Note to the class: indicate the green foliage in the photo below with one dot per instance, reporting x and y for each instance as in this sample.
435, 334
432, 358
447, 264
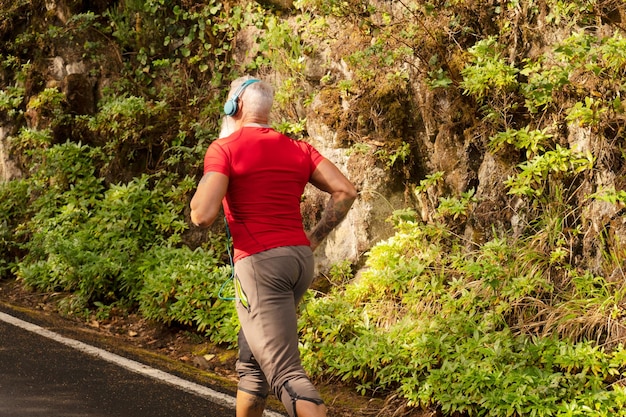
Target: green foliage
611, 196
438, 328
439, 79
587, 113
536, 174
492, 81
570, 12
577, 62
391, 157
12, 95
326, 323
14, 206
280, 45
341, 273
127, 124
162, 32
88, 213
456, 207
10, 100
540, 176
29, 141
431, 180
532, 141
49, 99
488, 73
293, 129
182, 286
443, 208
83, 236
543, 82
335, 7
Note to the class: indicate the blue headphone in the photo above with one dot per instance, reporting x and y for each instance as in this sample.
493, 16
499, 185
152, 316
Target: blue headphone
230, 108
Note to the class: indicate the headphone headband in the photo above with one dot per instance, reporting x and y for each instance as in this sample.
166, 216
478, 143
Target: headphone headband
231, 107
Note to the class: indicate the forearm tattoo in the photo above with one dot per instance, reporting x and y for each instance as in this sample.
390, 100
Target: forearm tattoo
333, 214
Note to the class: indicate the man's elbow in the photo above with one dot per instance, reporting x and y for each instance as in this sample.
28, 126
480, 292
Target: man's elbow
202, 219
344, 198
350, 194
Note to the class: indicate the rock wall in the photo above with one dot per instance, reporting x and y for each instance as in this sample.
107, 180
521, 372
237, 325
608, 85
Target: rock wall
8, 168
366, 223
380, 192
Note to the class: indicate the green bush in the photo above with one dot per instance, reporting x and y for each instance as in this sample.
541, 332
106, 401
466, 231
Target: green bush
14, 206
448, 330
83, 236
183, 286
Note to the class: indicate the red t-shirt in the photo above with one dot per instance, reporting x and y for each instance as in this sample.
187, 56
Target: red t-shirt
267, 174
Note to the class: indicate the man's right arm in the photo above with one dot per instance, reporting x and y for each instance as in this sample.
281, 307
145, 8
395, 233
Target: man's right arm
327, 177
207, 200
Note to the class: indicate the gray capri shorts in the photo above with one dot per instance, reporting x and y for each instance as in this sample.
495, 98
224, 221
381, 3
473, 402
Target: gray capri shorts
269, 286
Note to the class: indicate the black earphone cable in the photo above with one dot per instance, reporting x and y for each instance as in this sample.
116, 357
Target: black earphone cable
232, 265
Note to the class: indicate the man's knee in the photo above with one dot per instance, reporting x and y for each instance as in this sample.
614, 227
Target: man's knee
251, 377
299, 389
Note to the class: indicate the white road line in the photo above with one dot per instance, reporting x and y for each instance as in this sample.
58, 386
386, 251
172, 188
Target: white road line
131, 365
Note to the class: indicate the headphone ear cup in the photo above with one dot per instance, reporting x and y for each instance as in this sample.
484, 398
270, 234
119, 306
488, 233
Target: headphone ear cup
230, 108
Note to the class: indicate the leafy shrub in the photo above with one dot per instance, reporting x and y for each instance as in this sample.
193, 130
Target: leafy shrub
14, 206
83, 236
446, 329
488, 73
10, 100
183, 286
326, 323
537, 174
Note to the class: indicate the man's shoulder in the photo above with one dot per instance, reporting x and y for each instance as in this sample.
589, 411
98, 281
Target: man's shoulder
226, 141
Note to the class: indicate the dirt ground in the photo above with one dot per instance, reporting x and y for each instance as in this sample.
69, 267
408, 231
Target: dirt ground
179, 351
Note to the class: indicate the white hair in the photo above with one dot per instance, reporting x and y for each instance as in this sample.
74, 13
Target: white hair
259, 95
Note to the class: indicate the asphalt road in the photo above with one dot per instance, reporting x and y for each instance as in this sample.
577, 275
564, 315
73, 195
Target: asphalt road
43, 374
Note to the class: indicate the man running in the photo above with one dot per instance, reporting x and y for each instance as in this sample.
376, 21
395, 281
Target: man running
259, 175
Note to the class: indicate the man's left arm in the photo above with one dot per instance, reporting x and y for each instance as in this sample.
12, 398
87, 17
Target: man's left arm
327, 177
207, 200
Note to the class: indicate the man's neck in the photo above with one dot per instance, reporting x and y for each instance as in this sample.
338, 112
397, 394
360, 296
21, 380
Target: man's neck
256, 125
253, 122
